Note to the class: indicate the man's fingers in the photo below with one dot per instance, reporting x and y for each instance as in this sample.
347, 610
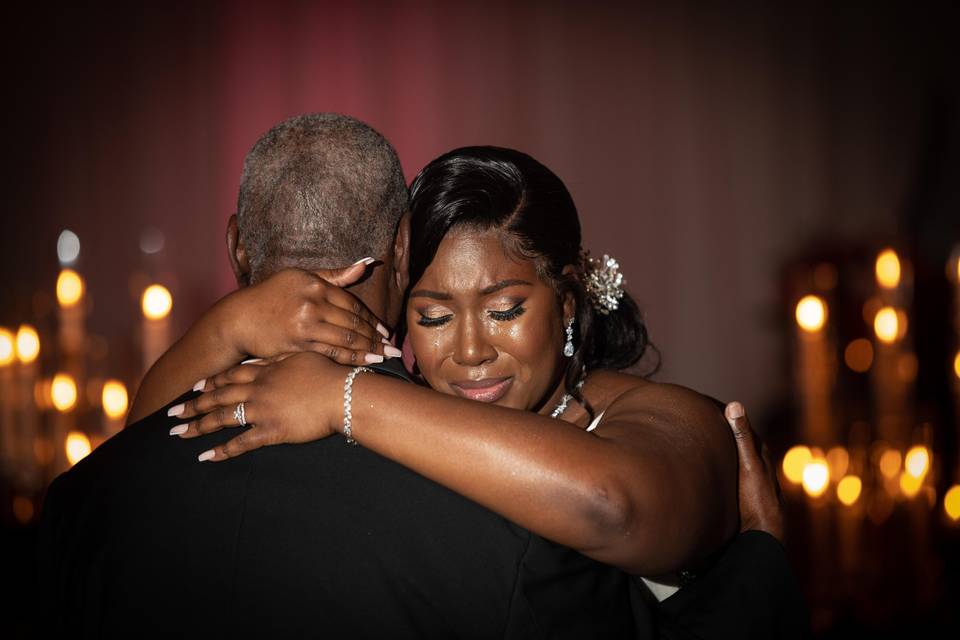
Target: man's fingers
746, 446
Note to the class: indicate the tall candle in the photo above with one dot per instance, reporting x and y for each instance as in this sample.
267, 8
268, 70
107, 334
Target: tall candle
156, 304
815, 370
28, 418
7, 400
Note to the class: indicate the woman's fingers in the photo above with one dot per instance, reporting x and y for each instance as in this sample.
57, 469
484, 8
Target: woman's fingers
348, 303
341, 355
251, 439
244, 373
350, 340
215, 401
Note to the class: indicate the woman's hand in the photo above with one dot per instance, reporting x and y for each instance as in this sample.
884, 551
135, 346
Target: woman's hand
296, 310
292, 398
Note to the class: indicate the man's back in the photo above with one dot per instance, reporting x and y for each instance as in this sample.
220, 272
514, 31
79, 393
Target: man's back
320, 539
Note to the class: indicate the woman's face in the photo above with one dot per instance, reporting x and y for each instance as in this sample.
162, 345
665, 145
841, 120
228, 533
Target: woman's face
483, 325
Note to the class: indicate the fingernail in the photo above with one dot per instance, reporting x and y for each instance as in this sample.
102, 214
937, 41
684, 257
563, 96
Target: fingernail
383, 330
176, 409
734, 410
386, 341
178, 430
366, 261
200, 385
250, 361
392, 352
206, 455
372, 358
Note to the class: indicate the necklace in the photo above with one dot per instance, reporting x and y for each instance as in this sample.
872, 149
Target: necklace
564, 401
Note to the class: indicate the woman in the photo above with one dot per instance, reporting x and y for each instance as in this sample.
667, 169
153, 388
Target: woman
521, 342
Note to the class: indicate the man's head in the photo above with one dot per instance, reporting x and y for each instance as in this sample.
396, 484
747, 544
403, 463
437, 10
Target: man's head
320, 191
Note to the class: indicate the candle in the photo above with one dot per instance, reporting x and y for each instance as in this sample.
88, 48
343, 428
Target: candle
815, 370
114, 401
156, 303
28, 352
8, 356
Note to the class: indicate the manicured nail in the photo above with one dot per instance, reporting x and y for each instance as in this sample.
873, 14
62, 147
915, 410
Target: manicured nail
200, 385
251, 361
175, 410
383, 330
366, 261
392, 352
178, 430
372, 358
734, 410
206, 455
386, 341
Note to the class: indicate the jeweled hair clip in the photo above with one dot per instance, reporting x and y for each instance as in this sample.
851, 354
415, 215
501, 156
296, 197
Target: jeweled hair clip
603, 281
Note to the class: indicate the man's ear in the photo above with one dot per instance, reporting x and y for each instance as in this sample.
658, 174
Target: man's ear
401, 253
237, 254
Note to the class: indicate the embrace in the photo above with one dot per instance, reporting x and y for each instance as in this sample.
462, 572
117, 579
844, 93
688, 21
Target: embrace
462, 452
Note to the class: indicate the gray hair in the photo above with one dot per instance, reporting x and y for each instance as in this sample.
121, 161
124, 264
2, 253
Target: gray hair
319, 190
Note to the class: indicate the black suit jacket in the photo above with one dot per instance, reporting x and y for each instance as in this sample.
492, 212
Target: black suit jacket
316, 540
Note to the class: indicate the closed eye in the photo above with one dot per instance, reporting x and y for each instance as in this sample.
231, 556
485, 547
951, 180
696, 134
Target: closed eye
427, 321
510, 314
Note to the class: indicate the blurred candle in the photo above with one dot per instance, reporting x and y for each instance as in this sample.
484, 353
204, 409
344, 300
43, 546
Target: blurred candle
28, 421
70, 292
114, 401
8, 356
156, 303
814, 370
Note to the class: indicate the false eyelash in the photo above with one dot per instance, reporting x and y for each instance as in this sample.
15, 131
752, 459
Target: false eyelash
424, 321
510, 314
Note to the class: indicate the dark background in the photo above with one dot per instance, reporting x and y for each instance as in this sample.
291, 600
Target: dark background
709, 149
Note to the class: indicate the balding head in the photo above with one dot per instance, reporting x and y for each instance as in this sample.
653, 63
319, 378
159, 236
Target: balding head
318, 191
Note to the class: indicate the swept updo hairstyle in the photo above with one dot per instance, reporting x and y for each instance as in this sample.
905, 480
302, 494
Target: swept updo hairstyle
487, 188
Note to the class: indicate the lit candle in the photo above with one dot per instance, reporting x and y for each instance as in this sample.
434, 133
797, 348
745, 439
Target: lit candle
114, 401
815, 370
156, 303
8, 356
28, 422
894, 363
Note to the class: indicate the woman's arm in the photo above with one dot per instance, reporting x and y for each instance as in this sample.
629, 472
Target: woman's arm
293, 310
653, 489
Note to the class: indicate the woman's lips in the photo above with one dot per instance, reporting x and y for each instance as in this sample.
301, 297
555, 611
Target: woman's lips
485, 390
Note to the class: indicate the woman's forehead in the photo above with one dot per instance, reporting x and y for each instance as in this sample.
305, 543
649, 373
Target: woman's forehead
469, 260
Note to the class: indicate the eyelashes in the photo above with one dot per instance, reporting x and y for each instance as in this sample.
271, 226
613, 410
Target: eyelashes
501, 316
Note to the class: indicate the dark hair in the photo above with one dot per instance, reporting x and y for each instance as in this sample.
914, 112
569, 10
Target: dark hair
319, 190
494, 188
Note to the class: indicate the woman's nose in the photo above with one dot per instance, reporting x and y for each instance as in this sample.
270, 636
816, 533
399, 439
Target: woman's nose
472, 347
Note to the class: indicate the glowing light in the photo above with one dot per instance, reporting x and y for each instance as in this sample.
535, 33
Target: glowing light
816, 477
794, 461
77, 447
69, 288
910, 485
917, 461
23, 509
839, 461
907, 367
848, 490
114, 399
956, 364
951, 502
28, 344
63, 392
885, 325
859, 355
890, 463
887, 269
156, 302
68, 247
7, 351
811, 313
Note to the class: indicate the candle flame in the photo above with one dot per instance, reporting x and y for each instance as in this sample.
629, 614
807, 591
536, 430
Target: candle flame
7, 351
886, 325
63, 392
77, 447
951, 502
811, 313
156, 302
69, 288
816, 477
888, 269
794, 461
114, 399
848, 490
890, 463
28, 344
909, 484
917, 461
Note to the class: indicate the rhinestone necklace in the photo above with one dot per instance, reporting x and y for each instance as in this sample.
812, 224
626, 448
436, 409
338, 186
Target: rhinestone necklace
564, 401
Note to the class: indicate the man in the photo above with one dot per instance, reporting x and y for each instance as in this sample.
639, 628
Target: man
316, 539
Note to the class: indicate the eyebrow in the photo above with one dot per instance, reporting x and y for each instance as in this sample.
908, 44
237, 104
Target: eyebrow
437, 295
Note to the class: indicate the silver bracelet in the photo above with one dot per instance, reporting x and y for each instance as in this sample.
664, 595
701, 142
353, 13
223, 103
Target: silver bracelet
348, 401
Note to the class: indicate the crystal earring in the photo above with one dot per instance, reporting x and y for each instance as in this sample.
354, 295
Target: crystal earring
568, 347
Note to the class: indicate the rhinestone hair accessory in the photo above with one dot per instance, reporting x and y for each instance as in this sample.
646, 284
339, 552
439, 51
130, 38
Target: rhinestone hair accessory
604, 282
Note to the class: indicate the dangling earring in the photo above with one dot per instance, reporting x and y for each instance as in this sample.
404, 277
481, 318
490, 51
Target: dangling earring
568, 347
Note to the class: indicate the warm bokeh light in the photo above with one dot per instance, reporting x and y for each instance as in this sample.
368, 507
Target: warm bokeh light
63, 392
887, 269
68, 247
848, 490
156, 302
885, 325
890, 463
816, 477
956, 365
794, 461
859, 355
28, 344
811, 313
7, 352
114, 399
951, 502
23, 509
839, 461
69, 288
910, 485
77, 447
917, 461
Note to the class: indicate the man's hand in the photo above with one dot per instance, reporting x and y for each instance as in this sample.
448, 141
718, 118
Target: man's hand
759, 492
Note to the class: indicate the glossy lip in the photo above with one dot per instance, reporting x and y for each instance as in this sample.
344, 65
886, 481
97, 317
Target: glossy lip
484, 390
